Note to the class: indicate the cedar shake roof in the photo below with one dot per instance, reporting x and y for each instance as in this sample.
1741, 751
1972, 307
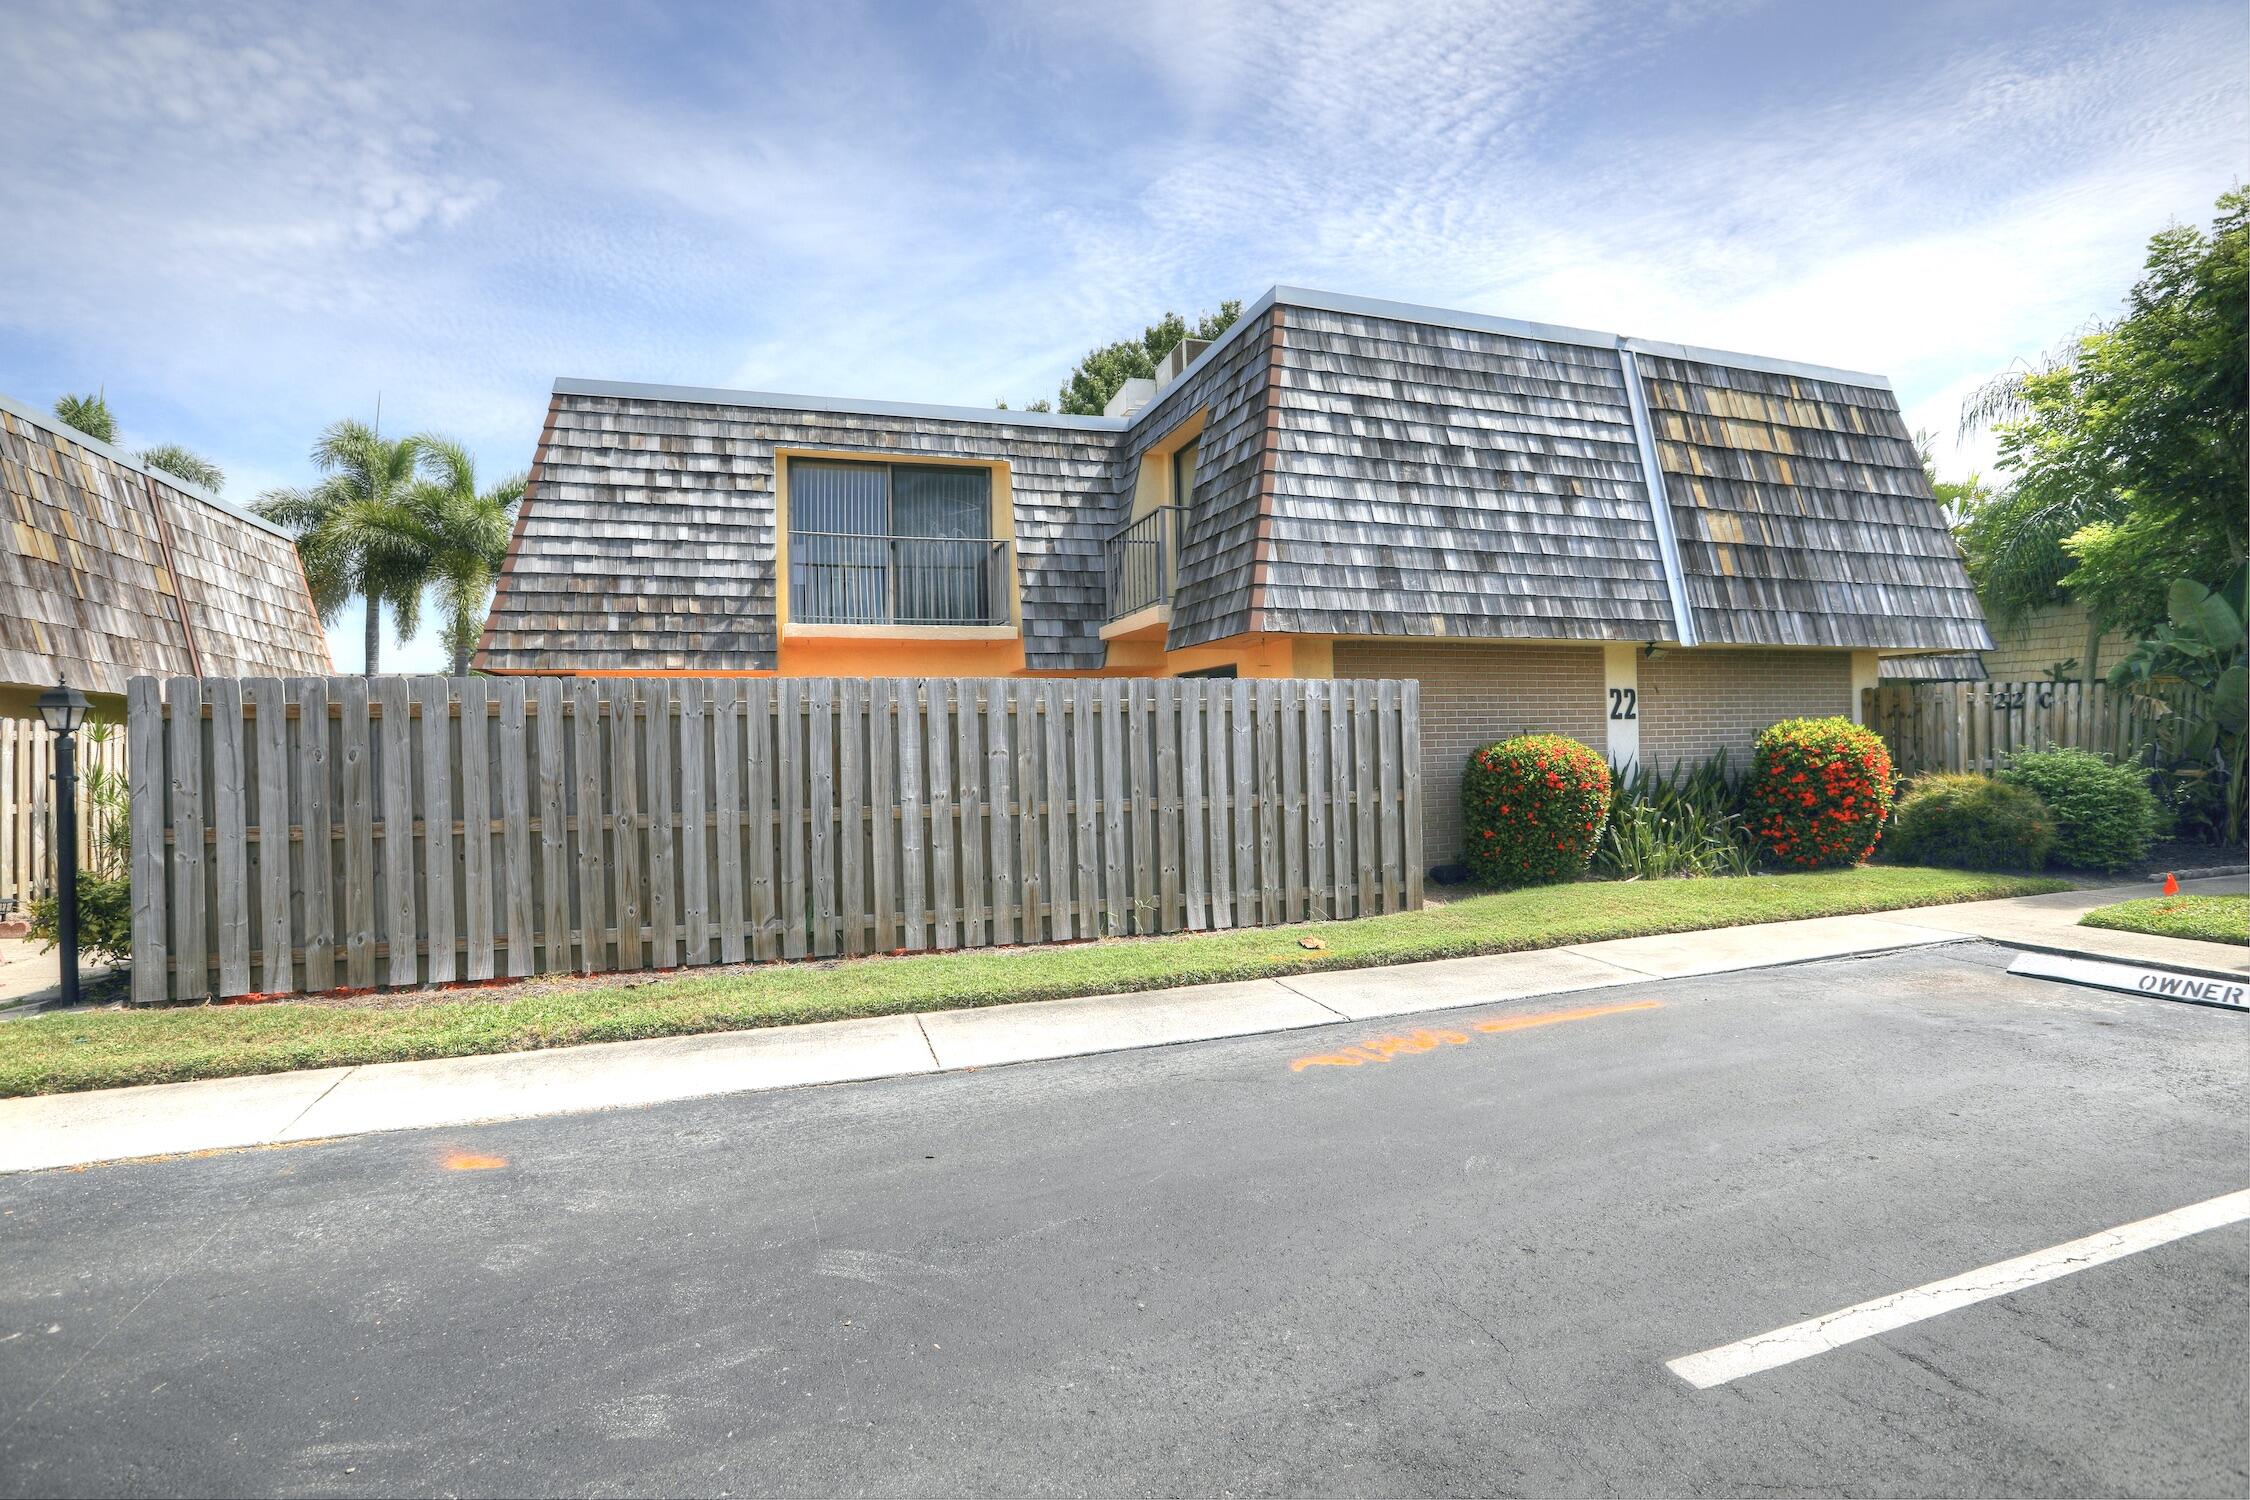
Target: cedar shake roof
1366, 469
1448, 482
1803, 514
649, 543
110, 569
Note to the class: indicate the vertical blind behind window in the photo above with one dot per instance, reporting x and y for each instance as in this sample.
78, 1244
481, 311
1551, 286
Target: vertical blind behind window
882, 544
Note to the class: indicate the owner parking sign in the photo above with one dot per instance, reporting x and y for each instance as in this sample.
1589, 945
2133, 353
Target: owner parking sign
2163, 984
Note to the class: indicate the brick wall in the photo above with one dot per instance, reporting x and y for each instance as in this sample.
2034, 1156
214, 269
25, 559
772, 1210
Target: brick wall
2023, 651
1691, 703
1696, 702
1475, 692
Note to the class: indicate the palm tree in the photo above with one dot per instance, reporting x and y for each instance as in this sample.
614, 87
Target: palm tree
462, 534
89, 414
187, 464
354, 533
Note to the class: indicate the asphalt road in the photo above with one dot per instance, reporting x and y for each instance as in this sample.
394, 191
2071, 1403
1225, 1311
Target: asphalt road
1196, 1270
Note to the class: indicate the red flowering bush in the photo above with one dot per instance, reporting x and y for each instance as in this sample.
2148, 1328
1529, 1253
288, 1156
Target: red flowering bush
1533, 808
1819, 792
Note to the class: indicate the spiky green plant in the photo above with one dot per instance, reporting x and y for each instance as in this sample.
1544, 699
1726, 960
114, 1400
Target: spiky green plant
187, 464
89, 414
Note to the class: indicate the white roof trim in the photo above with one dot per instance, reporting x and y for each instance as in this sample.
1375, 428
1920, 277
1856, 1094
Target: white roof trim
785, 401
1285, 296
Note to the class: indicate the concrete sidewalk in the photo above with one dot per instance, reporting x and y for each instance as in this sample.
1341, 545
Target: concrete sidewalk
2050, 925
64, 1130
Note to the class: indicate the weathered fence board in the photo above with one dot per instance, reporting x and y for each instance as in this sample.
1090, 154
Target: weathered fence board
434, 706
317, 880
593, 877
300, 836
1977, 726
144, 739
554, 828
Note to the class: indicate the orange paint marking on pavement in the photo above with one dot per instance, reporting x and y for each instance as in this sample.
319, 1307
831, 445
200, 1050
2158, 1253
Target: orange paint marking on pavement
1520, 1023
470, 1161
1383, 1049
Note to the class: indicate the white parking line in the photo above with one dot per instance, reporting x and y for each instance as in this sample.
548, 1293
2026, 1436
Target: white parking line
1818, 1335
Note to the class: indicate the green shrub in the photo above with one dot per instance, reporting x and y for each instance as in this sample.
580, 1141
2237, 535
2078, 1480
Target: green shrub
1819, 791
1970, 823
2104, 814
1687, 821
105, 917
1532, 809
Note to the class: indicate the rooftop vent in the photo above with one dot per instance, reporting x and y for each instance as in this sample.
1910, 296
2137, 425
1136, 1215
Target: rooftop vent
1172, 366
1135, 394
1130, 398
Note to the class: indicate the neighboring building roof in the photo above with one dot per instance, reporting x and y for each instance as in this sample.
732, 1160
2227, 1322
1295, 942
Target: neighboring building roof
111, 569
1368, 469
1940, 666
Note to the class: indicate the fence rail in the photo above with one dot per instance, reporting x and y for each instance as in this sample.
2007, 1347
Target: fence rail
1976, 726
323, 833
27, 806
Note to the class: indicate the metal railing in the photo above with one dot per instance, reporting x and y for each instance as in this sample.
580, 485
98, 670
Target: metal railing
836, 578
1142, 556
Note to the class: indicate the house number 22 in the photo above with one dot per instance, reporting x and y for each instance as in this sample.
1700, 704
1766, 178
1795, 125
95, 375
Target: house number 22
1624, 703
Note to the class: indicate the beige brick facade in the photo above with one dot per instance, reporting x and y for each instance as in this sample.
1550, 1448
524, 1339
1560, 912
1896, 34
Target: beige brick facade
2024, 650
1694, 703
1475, 692
1691, 703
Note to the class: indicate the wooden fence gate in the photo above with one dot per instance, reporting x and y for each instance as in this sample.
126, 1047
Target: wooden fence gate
27, 811
1976, 726
325, 833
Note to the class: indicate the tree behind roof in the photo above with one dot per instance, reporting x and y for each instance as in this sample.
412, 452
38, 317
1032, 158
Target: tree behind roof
90, 415
2127, 446
187, 464
1100, 375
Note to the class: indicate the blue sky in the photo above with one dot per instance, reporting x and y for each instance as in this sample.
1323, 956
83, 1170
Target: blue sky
246, 220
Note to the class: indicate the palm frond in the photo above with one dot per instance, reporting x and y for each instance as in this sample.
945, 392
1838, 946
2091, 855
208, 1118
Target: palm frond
2004, 398
444, 461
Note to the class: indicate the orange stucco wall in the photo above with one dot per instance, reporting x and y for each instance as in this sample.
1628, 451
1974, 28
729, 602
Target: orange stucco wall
875, 656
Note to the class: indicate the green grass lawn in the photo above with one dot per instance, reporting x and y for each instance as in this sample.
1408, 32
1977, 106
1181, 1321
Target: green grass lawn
110, 1048
2214, 919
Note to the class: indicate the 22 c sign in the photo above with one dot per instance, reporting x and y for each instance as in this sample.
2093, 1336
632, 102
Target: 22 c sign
1624, 703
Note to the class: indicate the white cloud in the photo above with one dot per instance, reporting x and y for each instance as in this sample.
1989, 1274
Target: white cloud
250, 220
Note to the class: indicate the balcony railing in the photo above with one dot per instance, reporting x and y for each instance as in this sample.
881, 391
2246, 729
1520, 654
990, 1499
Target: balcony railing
1143, 554
840, 579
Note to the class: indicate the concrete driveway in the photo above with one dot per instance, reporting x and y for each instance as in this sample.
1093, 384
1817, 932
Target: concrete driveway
1408, 1257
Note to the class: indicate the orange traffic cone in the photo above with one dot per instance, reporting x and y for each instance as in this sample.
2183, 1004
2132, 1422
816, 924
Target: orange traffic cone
2171, 884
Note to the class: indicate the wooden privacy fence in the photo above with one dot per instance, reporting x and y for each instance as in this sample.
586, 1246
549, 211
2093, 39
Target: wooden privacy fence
1976, 726
323, 833
27, 806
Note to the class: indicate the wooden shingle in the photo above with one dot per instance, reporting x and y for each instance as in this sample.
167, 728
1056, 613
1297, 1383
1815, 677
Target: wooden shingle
1364, 469
110, 570
1803, 515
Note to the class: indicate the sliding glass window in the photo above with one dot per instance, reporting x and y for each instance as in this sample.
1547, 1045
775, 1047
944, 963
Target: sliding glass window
893, 544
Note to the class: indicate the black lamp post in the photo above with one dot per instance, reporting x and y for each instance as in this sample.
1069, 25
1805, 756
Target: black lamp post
64, 709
